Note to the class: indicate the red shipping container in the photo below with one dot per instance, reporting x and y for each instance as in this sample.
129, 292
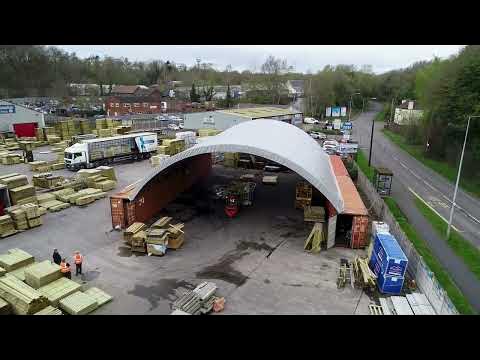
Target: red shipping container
25, 129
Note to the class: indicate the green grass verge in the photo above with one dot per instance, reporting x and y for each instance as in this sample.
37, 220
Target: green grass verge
442, 276
464, 249
472, 184
362, 162
383, 114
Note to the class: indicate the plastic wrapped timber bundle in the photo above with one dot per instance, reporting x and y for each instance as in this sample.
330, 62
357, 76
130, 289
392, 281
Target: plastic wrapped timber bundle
58, 166
41, 274
176, 242
34, 222
86, 173
108, 172
5, 308
21, 192
78, 304
49, 310
15, 259
28, 200
132, 230
99, 295
31, 210
6, 176
157, 160
43, 198
162, 223
138, 239
23, 299
105, 185
15, 181
55, 205
7, 226
59, 289
61, 195
157, 236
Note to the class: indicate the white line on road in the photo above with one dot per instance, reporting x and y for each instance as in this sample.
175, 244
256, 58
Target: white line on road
431, 208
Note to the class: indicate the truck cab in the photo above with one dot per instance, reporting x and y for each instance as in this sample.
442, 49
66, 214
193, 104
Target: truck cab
76, 156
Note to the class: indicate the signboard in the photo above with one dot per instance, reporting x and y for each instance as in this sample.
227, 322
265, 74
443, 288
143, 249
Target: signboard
337, 123
328, 112
347, 126
336, 111
7, 109
209, 120
347, 148
343, 111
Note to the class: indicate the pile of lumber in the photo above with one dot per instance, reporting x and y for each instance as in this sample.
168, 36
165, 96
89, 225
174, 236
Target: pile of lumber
14, 181
5, 308
47, 180
132, 230
7, 226
25, 216
108, 172
197, 301
11, 159
314, 241
49, 310
100, 296
20, 272
208, 132
15, 259
22, 192
171, 146
23, 299
157, 160
78, 304
314, 213
101, 182
303, 195
139, 242
364, 276
19, 189
59, 289
161, 223
34, 165
48, 202
42, 274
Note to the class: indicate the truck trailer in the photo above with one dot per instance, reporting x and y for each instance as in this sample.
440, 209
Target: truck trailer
104, 151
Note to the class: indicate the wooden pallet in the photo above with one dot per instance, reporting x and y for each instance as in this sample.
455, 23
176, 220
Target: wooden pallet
375, 310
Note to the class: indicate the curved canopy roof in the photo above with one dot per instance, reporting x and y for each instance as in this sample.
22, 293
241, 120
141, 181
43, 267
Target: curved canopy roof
271, 139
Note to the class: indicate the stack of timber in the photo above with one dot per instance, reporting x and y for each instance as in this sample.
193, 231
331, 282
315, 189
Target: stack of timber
315, 239
63, 195
14, 181
78, 304
49, 310
270, 180
139, 242
197, 301
41, 274
19, 218
108, 172
100, 296
22, 192
7, 226
47, 180
231, 159
156, 241
208, 132
87, 196
15, 259
345, 274
48, 202
23, 299
5, 308
12, 159
132, 230
303, 195
101, 182
2, 271
161, 237
20, 272
364, 276
35, 166
174, 146
25, 216
85, 127
161, 223
314, 214
176, 236
157, 160
59, 289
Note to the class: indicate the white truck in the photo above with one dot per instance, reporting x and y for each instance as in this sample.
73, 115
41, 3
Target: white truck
104, 151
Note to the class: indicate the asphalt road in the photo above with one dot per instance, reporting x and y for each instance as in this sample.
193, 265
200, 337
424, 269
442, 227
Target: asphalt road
412, 179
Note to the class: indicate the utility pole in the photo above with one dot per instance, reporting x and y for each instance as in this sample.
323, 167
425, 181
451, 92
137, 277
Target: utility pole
391, 111
458, 177
371, 138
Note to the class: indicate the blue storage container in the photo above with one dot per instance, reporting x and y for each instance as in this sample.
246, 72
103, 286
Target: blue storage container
390, 284
388, 258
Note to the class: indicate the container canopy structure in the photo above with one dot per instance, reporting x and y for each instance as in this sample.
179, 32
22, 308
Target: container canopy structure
277, 141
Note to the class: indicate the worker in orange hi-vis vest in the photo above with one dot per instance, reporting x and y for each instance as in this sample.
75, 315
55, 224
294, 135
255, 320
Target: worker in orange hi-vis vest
65, 269
78, 259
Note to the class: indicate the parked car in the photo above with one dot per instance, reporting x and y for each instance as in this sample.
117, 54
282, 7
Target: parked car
317, 135
181, 126
173, 127
309, 120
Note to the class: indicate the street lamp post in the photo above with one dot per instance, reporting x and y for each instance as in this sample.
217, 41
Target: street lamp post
371, 137
351, 102
458, 177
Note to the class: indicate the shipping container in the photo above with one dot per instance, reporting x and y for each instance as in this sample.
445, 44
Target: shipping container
391, 285
359, 232
389, 255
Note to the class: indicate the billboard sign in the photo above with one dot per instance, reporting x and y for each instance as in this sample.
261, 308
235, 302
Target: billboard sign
337, 123
347, 125
336, 111
328, 112
347, 148
343, 111
7, 109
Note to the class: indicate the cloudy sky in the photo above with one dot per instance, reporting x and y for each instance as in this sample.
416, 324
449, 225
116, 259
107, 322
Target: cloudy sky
302, 57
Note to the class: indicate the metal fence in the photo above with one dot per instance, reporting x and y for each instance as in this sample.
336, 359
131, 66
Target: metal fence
417, 268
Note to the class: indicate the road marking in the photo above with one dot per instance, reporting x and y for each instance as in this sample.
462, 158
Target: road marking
431, 208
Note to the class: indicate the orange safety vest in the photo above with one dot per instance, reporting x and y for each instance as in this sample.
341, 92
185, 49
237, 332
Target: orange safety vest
64, 268
78, 259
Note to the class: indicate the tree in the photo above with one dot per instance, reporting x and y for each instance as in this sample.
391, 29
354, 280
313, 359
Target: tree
194, 97
273, 70
228, 99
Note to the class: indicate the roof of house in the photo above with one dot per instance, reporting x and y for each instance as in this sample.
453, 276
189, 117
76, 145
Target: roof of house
125, 89
353, 204
260, 112
132, 98
277, 141
405, 105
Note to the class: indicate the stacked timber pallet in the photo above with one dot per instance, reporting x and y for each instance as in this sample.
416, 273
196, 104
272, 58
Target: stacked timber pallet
101, 182
303, 195
157, 160
48, 202
314, 213
25, 216
7, 226
49, 310
47, 180
198, 301
208, 132
11, 159
23, 299
42, 273
364, 276
231, 159
59, 289
174, 146
19, 190
132, 230
15, 259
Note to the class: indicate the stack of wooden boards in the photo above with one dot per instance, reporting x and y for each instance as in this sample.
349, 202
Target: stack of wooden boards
197, 301
154, 240
27, 288
23, 217
208, 132
364, 276
171, 146
19, 190
314, 214
231, 159
157, 160
7, 158
315, 239
102, 178
412, 304
303, 195
47, 180
107, 128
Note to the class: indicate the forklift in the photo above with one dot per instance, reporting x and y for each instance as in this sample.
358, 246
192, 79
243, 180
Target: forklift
236, 195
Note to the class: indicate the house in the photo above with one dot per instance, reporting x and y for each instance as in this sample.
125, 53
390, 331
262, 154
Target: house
126, 90
295, 88
408, 112
19, 119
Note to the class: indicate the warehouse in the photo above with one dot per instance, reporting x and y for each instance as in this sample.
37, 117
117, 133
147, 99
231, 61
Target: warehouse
19, 119
279, 142
224, 119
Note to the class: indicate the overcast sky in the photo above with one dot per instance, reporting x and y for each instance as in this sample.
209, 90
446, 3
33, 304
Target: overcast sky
302, 57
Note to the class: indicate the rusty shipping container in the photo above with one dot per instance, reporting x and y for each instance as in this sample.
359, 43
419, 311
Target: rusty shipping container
359, 232
159, 192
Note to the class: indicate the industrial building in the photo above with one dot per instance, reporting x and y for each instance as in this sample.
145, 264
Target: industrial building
19, 119
282, 143
224, 119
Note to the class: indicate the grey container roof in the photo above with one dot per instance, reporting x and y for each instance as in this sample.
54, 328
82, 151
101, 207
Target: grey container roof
271, 139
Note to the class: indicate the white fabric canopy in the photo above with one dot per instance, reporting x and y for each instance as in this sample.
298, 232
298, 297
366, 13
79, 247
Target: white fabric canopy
277, 141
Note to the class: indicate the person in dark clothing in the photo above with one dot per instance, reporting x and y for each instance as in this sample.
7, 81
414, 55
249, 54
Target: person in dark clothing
57, 259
